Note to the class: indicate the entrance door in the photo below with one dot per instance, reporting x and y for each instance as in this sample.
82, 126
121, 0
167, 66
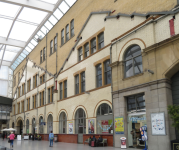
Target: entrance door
175, 95
80, 124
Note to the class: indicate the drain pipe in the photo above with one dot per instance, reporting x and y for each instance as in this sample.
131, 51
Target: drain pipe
111, 94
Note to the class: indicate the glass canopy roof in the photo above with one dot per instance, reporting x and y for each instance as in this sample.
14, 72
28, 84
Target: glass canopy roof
23, 23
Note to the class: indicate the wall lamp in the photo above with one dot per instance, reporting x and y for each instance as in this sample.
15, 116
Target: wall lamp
150, 71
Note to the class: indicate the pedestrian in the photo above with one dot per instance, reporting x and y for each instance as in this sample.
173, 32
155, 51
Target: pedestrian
100, 139
51, 137
3, 136
11, 138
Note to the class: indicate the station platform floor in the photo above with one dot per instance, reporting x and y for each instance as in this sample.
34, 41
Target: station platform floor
44, 145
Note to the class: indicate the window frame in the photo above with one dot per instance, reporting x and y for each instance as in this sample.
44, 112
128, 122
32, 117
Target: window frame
41, 56
80, 55
86, 50
51, 47
62, 37
72, 28
106, 72
97, 75
44, 51
92, 46
99, 42
83, 81
77, 86
55, 44
67, 32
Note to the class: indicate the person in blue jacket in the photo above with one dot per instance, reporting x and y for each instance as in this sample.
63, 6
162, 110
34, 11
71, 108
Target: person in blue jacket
51, 137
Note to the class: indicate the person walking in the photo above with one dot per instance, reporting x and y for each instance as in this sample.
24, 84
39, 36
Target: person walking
11, 138
51, 137
3, 136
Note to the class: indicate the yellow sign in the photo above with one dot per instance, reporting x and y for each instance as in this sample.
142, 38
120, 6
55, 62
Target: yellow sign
119, 125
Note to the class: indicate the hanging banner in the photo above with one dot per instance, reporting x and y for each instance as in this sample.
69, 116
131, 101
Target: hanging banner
119, 125
91, 126
158, 123
70, 127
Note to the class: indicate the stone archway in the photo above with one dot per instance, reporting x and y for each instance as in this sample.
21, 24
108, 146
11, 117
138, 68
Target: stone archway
19, 127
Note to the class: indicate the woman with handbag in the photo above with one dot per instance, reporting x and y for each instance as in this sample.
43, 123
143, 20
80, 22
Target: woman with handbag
11, 138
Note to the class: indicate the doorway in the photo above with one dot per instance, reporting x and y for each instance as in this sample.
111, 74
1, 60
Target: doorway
33, 125
20, 127
80, 124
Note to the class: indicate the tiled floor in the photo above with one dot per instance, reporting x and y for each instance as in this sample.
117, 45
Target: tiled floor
44, 145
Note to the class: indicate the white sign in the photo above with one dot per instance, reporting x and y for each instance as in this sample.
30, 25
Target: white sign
158, 123
19, 137
123, 142
70, 127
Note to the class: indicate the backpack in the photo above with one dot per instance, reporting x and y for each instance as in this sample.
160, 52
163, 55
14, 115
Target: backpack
51, 136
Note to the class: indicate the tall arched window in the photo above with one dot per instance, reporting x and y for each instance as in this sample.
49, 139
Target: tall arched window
27, 126
50, 124
40, 125
104, 119
33, 125
63, 123
133, 61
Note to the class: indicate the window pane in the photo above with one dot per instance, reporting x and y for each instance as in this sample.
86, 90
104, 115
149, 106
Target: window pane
63, 7
129, 68
57, 14
104, 109
86, 50
48, 25
93, 45
131, 105
53, 20
132, 52
138, 65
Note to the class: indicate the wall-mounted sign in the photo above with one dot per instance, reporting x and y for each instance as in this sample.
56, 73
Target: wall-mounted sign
70, 127
119, 125
91, 126
158, 123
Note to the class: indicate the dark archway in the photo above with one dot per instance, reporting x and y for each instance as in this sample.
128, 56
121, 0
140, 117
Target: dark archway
20, 127
175, 93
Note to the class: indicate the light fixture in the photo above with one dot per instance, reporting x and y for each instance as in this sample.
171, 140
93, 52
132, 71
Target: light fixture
150, 71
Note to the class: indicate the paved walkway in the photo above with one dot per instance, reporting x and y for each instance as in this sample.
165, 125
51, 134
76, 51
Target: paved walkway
44, 145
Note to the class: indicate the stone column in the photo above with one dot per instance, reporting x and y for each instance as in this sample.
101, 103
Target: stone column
55, 121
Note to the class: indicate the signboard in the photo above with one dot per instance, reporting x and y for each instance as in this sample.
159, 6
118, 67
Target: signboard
27, 131
158, 123
123, 142
91, 126
104, 124
119, 125
70, 127
19, 137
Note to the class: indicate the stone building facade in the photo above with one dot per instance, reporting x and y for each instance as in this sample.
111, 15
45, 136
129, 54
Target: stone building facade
75, 93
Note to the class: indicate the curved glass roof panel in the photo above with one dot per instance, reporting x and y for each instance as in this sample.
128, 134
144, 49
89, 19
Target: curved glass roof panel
70, 2
58, 14
9, 56
5, 26
32, 15
8, 9
53, 20
63, 7
50, 1
22, 31
1, 53
13, 48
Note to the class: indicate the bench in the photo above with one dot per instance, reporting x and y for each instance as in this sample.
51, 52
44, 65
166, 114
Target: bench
87, 141
104, 142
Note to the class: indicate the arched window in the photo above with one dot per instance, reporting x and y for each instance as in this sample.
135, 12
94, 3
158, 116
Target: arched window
40, 124
104, 119
63, 123
50, 124
33, 125
133, 61
27, 126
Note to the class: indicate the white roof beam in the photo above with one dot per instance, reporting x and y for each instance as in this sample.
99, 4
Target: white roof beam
14, 22
19, 20
3, 56
34, 4
12, 42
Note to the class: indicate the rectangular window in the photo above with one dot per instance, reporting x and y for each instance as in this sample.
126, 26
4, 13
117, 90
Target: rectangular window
14, 109
44, 54
40, 99
101, 40
86, 50
18, 77
23, 89
65, 89
83, 82
98, 75
44, 78
18, 107
72, 28
52, 88
28, 85
67, 32
80, 54
35, 81
51, 47
41, 56
28, 104
61, 90
93, 45
41, 79
107, 72
19, 91
43, 98
62, 37
14, 81
33, 102
22, 109
77, 84
55, 44
49, 95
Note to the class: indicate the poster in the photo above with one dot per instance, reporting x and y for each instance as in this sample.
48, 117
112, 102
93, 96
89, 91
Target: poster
119, 125
70, 127
27, 131
104, 124
158, 123
91, 126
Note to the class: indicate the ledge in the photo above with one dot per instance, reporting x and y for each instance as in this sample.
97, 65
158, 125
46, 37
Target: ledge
128, 78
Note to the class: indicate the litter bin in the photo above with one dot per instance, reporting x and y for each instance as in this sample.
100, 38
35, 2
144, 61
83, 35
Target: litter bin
55, 138
123, 142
